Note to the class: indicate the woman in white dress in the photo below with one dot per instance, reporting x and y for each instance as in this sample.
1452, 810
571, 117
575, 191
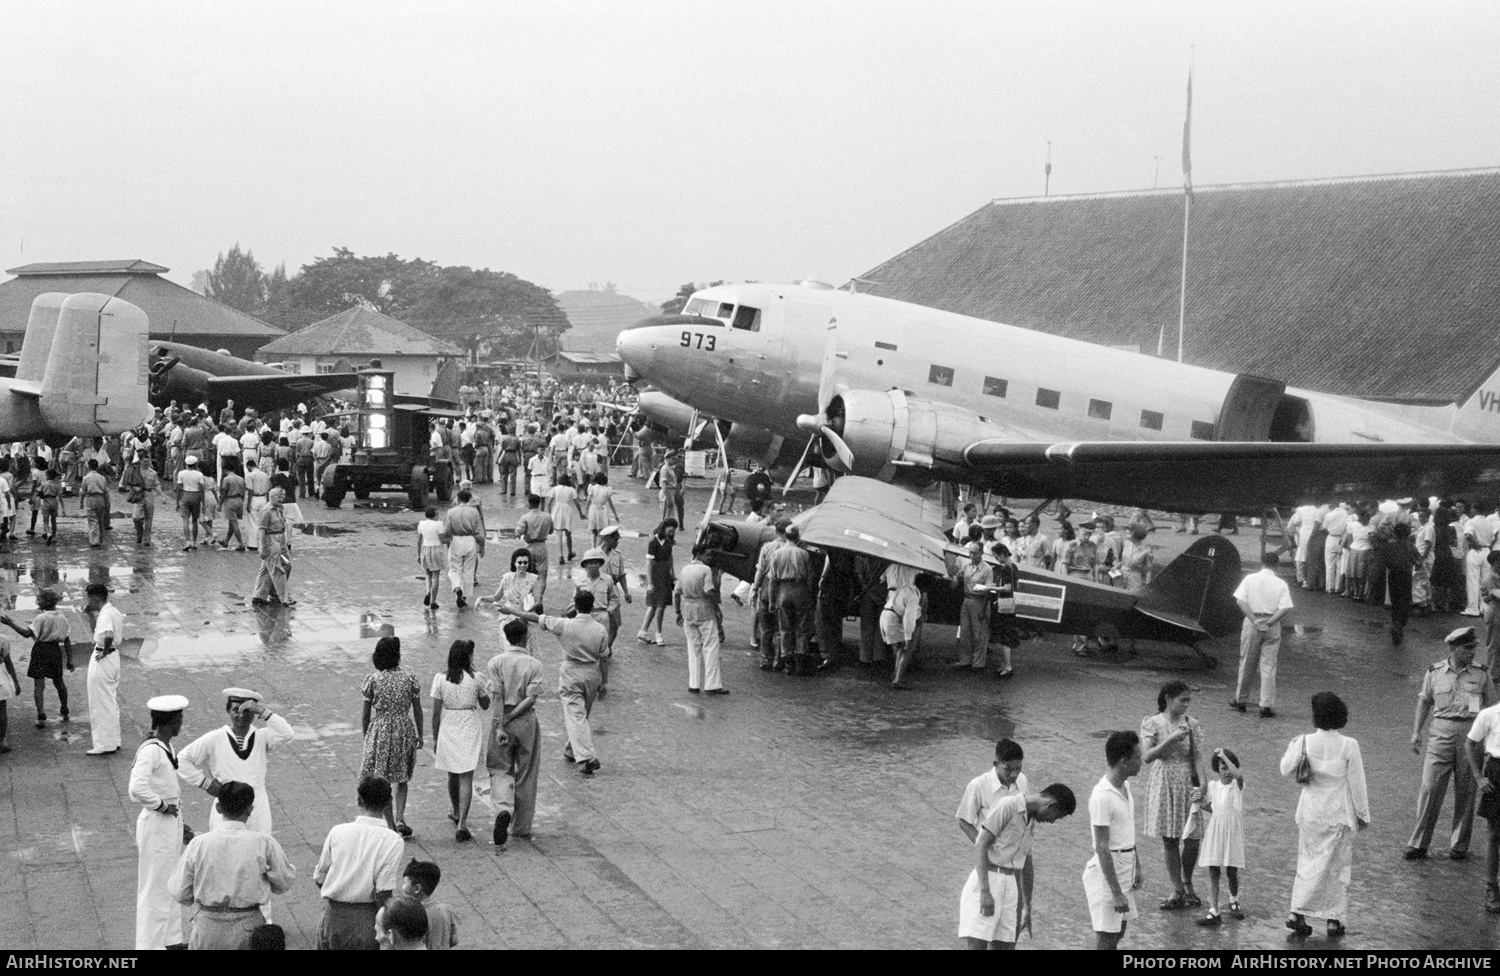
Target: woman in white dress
900, 617
564, 507
518, 589
601, 501
1334, 806
457, 732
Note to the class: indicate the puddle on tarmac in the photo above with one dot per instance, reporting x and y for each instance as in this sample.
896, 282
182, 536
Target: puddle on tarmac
323, 531
275, 636
1301, 629
692, 711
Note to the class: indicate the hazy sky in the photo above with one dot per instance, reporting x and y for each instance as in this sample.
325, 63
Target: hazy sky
652, 143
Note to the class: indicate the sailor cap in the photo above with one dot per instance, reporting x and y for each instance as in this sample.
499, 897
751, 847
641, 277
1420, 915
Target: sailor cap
167, 703
242, 694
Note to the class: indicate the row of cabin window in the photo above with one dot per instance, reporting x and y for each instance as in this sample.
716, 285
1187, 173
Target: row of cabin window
1052, 399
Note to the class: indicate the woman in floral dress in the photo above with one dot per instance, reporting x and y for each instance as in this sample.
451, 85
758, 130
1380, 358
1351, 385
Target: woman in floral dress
518, 589
392, 726
1169, 743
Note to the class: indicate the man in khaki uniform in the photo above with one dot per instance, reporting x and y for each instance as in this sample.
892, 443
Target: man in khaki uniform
1454, 691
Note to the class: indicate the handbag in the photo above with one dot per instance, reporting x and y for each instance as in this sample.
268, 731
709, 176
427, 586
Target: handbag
1304, 771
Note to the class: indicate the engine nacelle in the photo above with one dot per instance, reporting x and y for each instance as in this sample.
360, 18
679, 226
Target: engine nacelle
758, 444
890, 431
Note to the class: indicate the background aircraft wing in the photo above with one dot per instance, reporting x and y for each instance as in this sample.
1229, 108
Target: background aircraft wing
270, 392
869, 517
1229, 476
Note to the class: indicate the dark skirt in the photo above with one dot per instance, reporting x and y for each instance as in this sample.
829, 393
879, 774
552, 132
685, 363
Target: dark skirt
46, 660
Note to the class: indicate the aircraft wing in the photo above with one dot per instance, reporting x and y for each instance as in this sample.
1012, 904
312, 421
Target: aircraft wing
1229, 476
270, 392
872, 518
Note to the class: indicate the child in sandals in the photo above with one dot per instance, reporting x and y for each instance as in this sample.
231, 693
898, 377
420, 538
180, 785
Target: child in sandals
1224, 838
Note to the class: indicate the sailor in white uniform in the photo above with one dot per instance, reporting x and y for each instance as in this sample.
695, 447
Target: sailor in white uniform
158, 829
237, 753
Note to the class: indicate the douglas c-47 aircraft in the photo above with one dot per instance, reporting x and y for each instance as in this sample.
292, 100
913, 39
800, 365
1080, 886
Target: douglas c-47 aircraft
909, 394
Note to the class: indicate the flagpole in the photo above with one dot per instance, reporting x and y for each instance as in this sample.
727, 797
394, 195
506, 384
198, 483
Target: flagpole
1187, 213
1187, 205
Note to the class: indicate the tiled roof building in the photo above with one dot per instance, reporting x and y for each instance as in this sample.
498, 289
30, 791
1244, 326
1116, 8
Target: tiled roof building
1380, 286
353, 337
176, 313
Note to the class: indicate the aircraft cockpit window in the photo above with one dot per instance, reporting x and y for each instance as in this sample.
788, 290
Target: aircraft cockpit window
700, 306
726, 311
940, 375
1151, 420
1048, 398
747, 318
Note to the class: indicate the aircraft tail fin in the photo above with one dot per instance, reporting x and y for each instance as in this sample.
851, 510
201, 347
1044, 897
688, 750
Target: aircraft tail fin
95, 383
1198, 585
41, 327
1478, 417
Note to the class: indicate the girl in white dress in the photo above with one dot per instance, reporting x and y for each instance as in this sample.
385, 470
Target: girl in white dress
1224, 837
457, 731
601, 501
564, 507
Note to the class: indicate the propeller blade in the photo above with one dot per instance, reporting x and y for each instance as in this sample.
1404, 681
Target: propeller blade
842, 461
801, 462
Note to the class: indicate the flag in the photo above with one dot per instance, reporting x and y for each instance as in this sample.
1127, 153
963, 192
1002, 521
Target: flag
1187, 140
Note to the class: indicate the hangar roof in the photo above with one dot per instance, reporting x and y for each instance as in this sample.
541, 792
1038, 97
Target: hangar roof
175, 312
1382, 286
358, 331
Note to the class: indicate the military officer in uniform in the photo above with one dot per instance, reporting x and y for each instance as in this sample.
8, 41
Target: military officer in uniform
791, 580
1454, 690
762, 588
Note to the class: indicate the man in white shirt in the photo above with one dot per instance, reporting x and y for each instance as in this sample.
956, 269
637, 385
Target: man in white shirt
358, 870
1333, 547
1112, 818
104, 671
961, 527
1264, 598
1479, 536
237, 752
1004, 778
1300, 527
1034, 546
229, 873
249, 444
1484, 760
227, 450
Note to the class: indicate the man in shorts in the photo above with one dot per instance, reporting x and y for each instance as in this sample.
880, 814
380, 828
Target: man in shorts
1112, 817
994, 914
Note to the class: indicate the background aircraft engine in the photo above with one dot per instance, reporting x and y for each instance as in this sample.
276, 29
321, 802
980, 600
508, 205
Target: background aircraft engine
891, 434
747, 443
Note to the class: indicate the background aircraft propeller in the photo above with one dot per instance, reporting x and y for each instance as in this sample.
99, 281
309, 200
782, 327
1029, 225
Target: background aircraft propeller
841, 459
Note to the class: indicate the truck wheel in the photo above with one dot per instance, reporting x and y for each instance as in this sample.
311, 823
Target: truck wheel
333, 497
416, 489
361, 491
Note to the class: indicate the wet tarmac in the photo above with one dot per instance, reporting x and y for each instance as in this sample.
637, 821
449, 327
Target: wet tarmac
796, 812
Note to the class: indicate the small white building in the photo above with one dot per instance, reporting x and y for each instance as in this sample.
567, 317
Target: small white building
355, 336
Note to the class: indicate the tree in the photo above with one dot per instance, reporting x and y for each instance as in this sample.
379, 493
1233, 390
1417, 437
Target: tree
330, 285
484, 311
673, 305
237, 281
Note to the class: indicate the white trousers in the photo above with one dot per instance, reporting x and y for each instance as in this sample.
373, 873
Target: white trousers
104, 702
1474, 561
703, 654
1332, 562
257, 504
463, 563
577, 687
158, 916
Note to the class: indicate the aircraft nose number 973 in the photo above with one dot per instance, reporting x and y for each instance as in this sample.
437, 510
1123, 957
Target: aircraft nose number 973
697, 340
